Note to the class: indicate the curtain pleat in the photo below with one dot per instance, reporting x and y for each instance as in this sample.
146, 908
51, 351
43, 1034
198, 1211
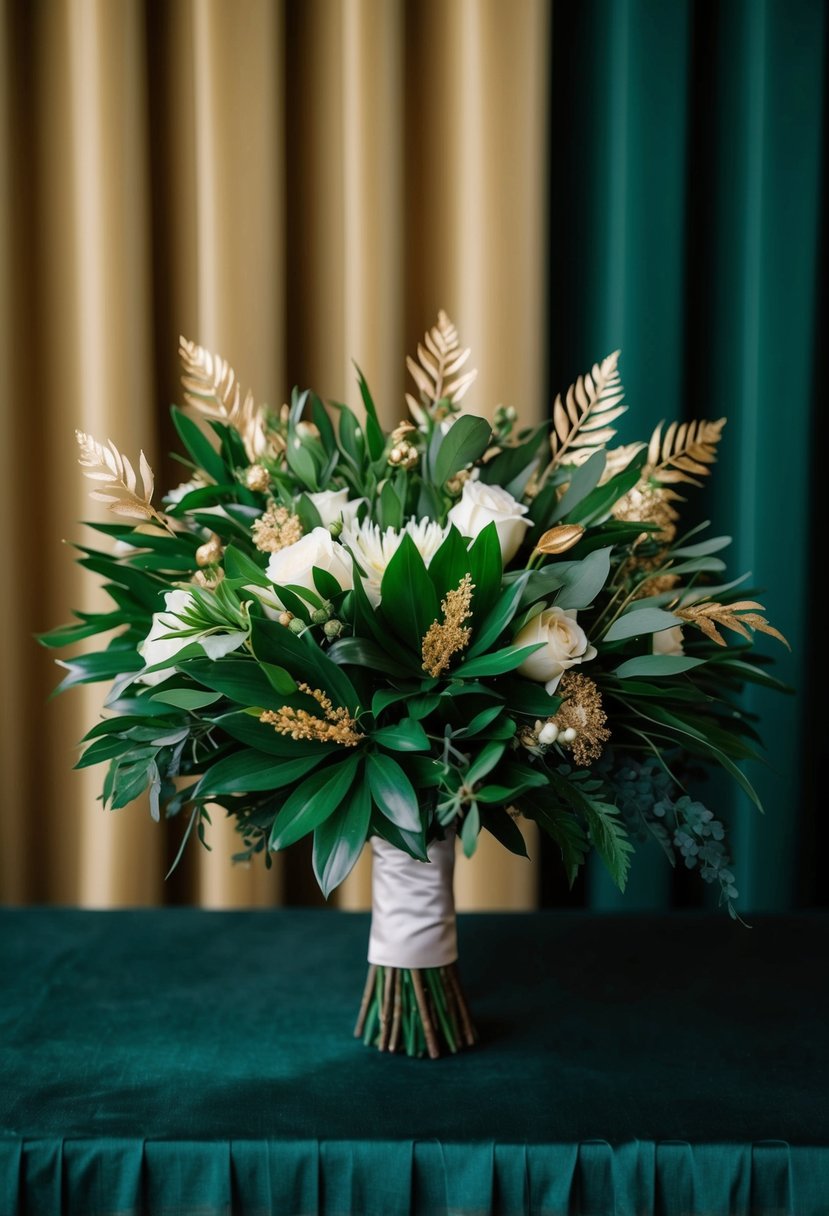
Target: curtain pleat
300, 183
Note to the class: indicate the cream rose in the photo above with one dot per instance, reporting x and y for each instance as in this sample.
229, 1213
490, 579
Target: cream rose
158, 646
480, 505
565, 645
294, 565
334, 505
668, 641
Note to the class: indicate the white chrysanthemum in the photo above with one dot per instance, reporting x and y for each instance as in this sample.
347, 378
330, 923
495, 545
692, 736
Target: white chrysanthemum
373, 548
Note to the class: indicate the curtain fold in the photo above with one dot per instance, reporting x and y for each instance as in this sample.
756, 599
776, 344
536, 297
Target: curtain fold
300, 183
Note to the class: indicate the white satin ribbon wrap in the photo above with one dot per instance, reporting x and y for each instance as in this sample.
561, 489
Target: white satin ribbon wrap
413, 906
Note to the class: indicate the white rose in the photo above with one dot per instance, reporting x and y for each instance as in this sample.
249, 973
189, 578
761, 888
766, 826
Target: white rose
480, 505
373, 549
293, 566
334, 505
668, 641
157, 646
565, 645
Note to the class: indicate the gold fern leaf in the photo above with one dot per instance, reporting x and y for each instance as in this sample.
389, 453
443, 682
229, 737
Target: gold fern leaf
740, 617
437, 369
125, 493
581, 421
684, 452
211, 386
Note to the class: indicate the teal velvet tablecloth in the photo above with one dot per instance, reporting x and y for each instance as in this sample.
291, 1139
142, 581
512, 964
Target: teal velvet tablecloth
185, 1062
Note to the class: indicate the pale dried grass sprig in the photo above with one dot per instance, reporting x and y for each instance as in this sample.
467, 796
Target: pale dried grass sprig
335, 725
443, 640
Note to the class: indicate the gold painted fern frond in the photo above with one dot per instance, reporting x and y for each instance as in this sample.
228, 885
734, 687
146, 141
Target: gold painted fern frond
684, 452
211, 386
582, 420
740, 617
437, 369
125, 493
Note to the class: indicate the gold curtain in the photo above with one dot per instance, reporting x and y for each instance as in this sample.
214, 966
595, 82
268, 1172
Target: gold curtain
294, 184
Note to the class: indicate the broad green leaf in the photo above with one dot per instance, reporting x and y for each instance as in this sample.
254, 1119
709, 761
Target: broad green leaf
465, 441
201, 450
339, 839
187, 698
655, 665
263, 738
496, 663
247, 771
374, 432
704, 549
483, 763
640, 621
312, 802
413, 843
407, 735
279, 679
499, 617
450, 563
505, 830
243, 680
585, 580
583, 481
409, 601
486, 568
471, 829
238, 565
303, 658
362, 652
393, 792
513, 464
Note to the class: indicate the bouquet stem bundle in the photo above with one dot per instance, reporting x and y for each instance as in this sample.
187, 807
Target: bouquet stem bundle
419, 1011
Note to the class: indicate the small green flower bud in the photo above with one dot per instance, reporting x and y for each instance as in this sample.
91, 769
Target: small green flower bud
296, 625
336, 528
319, 616
332, 629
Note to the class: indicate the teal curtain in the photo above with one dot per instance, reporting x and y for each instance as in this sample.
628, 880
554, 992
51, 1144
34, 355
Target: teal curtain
688, 193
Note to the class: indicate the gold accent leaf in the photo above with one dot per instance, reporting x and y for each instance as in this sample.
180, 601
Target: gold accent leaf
437, 369
740, 617
211, 386
125, 493
581, 420
684, 452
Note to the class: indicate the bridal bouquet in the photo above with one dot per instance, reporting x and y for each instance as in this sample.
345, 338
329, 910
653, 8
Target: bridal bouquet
411, 638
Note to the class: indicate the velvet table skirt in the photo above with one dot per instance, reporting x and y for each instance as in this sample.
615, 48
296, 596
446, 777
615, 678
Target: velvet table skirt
192, 1063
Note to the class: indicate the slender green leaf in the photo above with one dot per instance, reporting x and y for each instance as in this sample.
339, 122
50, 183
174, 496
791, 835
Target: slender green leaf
465, 441
312, 802
393, 792
339, 839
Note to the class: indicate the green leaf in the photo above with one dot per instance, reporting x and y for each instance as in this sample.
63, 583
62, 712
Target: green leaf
238, 565
362, 652
409, 600
527, 697
471, 829
339, 839
480, 722
407, 735
483, 763
187, 698
597, 505
585, 580
584, 480
465, 441
654, 665
263, 738
499, 617
199, 447
242, 680
605, 827
497, 662
391, 508
640, 621
486, 568
312, 802
303, 658
301, 461
413, 843
450, 563
704, 549
374, 432
505, 830
393, 792
513, 466
247, 771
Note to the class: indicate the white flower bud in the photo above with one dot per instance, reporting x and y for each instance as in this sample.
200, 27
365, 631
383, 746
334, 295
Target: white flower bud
548, 734
568, 735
